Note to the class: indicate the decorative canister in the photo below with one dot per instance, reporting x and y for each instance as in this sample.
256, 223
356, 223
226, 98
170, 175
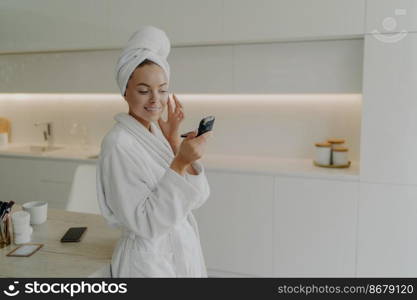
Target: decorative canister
323, 152
340, 156
335, 142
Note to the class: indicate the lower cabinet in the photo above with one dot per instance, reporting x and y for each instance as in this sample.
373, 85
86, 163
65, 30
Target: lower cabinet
18, 179
315, 225
254, 225
26, 179
235, 224
387, 239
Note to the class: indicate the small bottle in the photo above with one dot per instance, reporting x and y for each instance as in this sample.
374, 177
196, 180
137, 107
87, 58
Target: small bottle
340, 156
323, 153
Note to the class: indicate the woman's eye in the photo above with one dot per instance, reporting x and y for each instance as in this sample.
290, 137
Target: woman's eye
163, 91
143, 92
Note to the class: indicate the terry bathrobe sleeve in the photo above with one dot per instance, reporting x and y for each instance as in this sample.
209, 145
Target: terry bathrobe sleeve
199, 181
148, 213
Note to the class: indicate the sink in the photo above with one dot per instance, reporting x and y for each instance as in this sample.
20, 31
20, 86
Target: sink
34, 149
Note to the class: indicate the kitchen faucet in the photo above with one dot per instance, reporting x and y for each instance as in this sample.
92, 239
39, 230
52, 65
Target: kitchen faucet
48, 133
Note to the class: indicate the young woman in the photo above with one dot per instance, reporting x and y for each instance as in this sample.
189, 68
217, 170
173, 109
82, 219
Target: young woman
148, 180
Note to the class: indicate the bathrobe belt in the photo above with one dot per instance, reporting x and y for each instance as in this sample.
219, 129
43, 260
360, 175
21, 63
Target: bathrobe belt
177, 248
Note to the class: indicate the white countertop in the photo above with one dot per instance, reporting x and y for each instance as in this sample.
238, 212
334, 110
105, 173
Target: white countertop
279, 167
67, 152
233, 163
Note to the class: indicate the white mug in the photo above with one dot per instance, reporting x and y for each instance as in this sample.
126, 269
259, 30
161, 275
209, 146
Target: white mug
38, 211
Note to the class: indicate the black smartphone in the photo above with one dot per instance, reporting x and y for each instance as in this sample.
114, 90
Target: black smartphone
73, 234
206, 124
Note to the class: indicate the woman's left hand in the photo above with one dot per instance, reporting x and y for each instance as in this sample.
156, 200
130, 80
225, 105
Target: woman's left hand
170, 127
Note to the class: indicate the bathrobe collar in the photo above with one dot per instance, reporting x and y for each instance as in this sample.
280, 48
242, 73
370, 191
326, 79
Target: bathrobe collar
155, 142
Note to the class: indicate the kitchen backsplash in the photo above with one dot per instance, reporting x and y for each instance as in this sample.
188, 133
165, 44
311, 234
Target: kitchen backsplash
282, 125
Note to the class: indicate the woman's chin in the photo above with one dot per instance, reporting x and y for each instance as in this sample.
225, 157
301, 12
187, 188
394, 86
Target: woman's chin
154, 118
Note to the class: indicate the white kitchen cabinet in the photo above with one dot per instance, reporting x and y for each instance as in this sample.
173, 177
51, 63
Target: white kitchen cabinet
391, 16
387, 236
52, 25
235, 223
272, 20
18, 179
185, 21
26, 179
103, 24
389, 109
49, 25
55, 193
55, 180
314, 227
305, 67
201, 69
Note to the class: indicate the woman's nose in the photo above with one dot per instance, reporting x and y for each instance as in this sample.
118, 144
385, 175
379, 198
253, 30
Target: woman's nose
153, 97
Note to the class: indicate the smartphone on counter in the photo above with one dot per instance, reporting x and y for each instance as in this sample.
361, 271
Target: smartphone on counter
73, 234
206, 124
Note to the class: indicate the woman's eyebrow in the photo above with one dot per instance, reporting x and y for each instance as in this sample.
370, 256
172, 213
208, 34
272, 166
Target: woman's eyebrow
142, 83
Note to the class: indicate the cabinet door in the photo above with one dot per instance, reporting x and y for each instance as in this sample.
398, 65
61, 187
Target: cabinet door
55, 180
250, 20
314, 227
52, 25
18, 179
185, 21
236, 224
389, 109
387, 243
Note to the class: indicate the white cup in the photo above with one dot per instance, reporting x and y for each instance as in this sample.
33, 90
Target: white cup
22, 238
38, 211
21, 218
20, 228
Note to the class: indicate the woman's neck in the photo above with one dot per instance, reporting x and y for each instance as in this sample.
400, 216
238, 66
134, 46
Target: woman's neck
145, 123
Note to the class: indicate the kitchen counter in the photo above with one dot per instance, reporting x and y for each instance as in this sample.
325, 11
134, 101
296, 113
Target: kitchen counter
56, 259
67, 152
279, 167
213, 162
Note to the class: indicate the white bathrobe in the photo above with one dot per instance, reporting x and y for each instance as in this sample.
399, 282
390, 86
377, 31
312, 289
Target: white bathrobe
138, 192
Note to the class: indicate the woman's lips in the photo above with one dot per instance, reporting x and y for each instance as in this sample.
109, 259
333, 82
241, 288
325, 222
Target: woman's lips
152, 109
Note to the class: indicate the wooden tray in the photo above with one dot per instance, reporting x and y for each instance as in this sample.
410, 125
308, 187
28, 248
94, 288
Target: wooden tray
332, 166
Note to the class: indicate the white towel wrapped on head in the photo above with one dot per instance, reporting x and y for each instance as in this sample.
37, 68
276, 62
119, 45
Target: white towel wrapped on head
146, 43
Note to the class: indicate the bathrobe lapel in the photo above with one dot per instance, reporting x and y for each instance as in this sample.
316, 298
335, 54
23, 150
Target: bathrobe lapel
155, 143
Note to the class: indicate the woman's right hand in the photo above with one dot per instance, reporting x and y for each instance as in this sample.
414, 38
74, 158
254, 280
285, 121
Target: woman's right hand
191, 149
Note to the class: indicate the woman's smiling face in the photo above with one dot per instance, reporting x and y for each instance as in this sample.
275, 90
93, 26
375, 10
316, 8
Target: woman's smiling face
147, 93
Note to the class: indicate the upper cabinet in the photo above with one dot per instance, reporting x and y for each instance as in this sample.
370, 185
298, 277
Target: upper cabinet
391, 16
272, 20
186, 22
48, 25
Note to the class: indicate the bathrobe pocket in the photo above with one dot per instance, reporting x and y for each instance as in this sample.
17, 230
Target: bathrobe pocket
152, 264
